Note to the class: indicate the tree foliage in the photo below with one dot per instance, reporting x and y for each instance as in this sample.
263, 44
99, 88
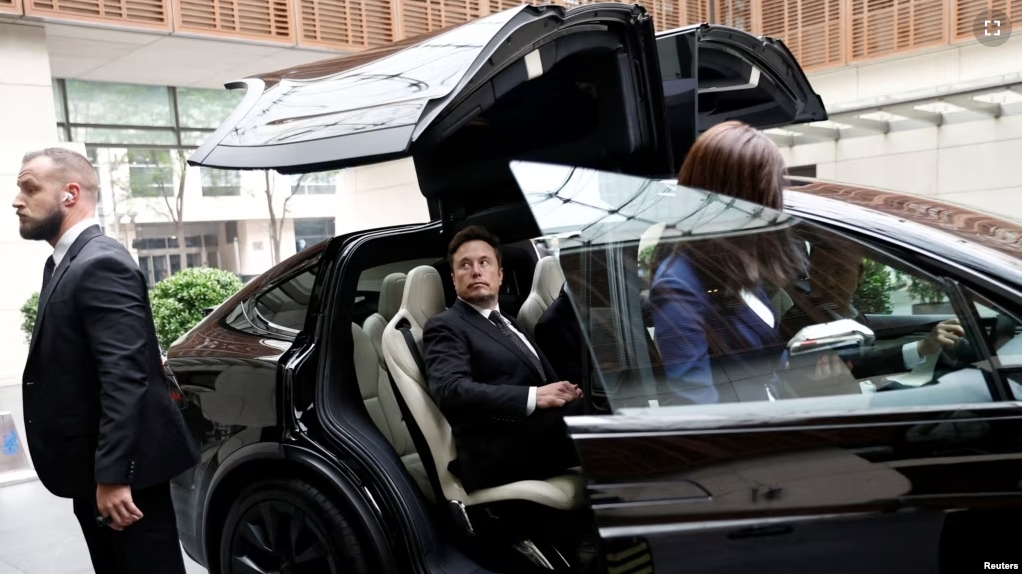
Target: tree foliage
28, 316
179, 300
874, 293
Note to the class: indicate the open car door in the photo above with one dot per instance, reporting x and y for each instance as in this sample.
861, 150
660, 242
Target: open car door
577, 87
721, 455
712, 73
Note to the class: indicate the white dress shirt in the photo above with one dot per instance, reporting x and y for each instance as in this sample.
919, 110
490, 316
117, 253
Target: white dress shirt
68, 239
531, 400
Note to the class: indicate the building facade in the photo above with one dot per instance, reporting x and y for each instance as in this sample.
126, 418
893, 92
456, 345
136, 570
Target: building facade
920, 99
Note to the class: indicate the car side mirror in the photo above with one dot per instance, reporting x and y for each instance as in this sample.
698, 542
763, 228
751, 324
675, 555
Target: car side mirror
207, 311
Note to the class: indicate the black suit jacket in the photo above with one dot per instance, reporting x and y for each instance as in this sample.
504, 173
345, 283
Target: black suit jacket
560, 337
480, 381
97, 406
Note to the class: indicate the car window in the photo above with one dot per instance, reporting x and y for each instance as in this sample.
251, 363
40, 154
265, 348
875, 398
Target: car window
286, 304
1001, 331
371, 282
694, 301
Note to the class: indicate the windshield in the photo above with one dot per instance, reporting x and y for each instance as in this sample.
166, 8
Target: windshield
683, 297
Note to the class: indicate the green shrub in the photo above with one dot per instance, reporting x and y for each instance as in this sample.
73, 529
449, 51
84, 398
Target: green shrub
28, 316
874, 293
179, 300
924, 291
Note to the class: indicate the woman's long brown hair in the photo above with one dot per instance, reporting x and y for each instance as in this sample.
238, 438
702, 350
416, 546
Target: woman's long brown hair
736, 160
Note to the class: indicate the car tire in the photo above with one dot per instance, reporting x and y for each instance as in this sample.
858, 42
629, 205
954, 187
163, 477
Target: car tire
288, 526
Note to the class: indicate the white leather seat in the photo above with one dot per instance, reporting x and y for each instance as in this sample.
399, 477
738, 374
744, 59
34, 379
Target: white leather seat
390, 299
424, 298
383, 407
547, 281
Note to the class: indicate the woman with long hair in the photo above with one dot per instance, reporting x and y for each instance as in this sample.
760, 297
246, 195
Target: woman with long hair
708, 297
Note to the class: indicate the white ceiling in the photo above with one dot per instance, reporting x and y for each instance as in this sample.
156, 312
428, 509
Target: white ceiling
79, 52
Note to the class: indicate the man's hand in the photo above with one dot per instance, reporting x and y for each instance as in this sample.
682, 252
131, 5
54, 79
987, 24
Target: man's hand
944, 336
557, 395
114, 500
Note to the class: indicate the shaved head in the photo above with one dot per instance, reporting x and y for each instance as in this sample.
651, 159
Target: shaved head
57, 189
69, 167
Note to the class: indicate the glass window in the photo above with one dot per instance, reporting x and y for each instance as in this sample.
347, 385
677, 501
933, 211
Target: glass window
1001, 331
220, 182
194, 138
689, 298
204, 108
123, 136
151, 173
118, 104
316, 183
58, 102
312, 230
286, 305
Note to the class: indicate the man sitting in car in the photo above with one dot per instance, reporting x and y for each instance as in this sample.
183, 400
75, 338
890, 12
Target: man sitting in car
501, 396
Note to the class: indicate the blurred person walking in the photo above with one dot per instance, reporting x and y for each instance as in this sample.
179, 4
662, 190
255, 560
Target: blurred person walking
101, 426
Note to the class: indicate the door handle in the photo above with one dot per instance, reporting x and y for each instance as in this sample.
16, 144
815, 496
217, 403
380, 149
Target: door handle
761, 532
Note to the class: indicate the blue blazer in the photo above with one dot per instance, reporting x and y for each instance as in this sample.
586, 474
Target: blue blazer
688, 320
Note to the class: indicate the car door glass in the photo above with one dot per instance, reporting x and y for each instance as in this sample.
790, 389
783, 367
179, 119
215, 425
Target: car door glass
285, 305
1001, 332
698, 302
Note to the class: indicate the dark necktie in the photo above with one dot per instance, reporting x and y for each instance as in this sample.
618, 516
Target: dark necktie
48, 271
495, 318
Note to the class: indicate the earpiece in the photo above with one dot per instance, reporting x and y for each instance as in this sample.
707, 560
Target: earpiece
68, 197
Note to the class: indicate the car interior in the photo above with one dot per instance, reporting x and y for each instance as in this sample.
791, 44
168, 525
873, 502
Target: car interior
395, 395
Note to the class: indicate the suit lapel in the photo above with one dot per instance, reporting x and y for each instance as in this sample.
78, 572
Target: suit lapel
483, 324
88, 235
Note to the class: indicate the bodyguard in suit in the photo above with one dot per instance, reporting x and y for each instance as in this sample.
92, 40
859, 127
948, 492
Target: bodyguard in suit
503, 400
100, 423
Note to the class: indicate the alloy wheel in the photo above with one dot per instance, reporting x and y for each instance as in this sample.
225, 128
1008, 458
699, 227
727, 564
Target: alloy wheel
274, 537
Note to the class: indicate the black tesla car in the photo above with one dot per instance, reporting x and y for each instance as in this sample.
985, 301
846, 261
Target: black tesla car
561, 131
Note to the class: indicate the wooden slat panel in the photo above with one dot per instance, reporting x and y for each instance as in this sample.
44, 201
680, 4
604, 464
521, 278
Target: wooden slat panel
965, 12
881, 27
152, 14
268, 20
811, 29
422, 16
10, 6
671, 14
346, 23
737, 14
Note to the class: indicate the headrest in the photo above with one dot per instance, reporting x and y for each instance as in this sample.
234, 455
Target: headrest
390, 295
367, 364
424, 294
548, 279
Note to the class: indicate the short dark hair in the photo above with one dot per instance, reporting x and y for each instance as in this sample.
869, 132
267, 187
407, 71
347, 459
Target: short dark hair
473, 233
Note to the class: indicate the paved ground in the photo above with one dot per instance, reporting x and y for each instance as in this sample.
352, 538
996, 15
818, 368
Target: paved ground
38, 531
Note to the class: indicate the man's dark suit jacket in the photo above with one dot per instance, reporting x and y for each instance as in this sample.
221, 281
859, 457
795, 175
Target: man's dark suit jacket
480, 381
560, 337
97, 406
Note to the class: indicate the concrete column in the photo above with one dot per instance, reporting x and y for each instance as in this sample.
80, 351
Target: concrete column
26, 101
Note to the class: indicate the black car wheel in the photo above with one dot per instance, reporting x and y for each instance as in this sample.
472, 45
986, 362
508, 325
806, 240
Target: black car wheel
288, 527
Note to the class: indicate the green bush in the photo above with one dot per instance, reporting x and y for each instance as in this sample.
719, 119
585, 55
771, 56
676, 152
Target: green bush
874, 293
179, 300
28, 316
924, 291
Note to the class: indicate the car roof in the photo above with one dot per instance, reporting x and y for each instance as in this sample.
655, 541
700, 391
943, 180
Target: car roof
973, 238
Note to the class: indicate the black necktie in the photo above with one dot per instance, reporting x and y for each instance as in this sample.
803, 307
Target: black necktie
495, 318
48, 271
